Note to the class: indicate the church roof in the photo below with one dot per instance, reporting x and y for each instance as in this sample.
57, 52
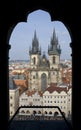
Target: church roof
33, 92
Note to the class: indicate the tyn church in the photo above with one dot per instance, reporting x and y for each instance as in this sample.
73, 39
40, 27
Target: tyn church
44, 71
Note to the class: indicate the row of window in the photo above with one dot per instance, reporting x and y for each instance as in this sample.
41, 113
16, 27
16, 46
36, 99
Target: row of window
54, 101
28, 112
25, 99
53, 60
35, 77
54, 96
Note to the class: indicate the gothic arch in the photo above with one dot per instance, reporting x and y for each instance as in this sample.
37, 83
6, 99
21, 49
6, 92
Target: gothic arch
43, 82
27, 112
45, 112
39, 112
18, 11
56, 114
50, 113
23, 111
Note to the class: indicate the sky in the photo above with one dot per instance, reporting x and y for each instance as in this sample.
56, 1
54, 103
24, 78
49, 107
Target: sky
23, 33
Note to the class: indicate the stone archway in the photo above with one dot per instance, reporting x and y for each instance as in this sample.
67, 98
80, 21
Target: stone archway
56, 114
58, 10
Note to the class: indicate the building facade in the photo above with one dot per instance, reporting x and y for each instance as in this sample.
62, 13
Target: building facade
44, 71
57, 96
52, 96
13, 97
31, 98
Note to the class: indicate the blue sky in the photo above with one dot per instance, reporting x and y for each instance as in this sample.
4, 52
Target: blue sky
23, 33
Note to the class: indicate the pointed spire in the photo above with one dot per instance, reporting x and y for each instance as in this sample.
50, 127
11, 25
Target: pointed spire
54, 39
54, 34
35, 40
53, 48
35, 45
35, 35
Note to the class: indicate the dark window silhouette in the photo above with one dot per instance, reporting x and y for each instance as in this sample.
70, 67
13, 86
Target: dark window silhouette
34, 60
54, 59
43, 81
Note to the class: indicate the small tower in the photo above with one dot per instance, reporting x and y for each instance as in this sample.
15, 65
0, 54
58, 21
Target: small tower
54, 52
34, 52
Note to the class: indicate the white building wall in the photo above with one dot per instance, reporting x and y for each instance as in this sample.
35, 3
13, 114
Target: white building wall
69, 102
48, 99
56, 99
33, 100
14, 101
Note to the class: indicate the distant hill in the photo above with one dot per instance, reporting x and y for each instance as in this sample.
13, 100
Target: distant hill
19, 61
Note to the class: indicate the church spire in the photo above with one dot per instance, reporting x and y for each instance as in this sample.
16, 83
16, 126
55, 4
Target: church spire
53, 48
35, 45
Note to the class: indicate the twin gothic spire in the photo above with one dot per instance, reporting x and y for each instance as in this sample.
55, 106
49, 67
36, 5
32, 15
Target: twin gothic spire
53, 49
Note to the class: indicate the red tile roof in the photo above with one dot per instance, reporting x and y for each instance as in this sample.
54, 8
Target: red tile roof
22, 84
30, 93
53, 88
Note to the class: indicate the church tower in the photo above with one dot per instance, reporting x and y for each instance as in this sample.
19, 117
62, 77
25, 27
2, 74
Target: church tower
54, 52
34, 52
44, 71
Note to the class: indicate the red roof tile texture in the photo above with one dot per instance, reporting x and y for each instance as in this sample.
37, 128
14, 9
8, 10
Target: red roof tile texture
53, 87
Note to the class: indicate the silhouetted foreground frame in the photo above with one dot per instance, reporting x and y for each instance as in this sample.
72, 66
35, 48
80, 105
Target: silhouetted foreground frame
63, 116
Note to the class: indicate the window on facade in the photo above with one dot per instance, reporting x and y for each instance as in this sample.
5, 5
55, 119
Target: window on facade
28, 112
34, 60
11, 112
54, 60
50, 112
22, 111
43, 82
33, 77
10, 97
11, 105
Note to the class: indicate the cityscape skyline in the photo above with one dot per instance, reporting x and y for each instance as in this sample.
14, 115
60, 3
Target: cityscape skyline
39, 21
